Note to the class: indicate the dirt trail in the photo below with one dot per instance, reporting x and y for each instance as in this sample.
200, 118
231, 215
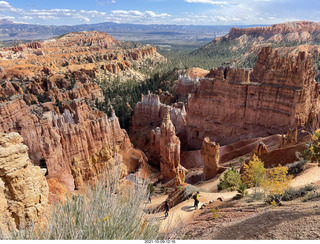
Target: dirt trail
184, 212
309, 176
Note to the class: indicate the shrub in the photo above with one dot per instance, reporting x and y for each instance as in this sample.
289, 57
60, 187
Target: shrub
107, 212
312, 151
164, 189
296, 167
150, 188
215, 213
277, 182
231, 180
189, 190
312, 197
255, 197
242, 191
292, 193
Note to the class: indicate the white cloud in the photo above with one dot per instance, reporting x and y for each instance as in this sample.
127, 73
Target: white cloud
105, 3
7, 17
204, 12
135, 16
207, 2
47, 17
27, 18
86, 20
5, 5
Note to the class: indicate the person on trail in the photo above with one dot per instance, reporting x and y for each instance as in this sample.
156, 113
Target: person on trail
196, 200
149, 198
166, 207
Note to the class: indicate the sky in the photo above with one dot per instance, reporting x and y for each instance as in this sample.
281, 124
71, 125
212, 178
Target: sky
181, 12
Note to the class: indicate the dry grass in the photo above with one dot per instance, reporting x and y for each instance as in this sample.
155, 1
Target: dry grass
107, 212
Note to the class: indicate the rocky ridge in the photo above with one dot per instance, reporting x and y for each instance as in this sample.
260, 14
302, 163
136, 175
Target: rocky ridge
65, 67
241, 46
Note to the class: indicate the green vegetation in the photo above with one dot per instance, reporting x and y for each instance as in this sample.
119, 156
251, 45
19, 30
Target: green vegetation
123, 96
293, 193
312, 151
109, 212
242, 190
231, 180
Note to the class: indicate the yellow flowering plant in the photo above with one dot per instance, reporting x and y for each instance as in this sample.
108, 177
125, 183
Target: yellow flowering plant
277, 181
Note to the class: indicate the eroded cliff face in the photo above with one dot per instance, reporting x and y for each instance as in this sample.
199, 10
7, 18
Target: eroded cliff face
235, 104
23, 186
55, 138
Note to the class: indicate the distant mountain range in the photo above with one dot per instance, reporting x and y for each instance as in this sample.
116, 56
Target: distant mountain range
155, 34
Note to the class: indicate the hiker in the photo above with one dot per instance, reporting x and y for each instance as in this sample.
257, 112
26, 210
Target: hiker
196, 200
166, 207
149, 199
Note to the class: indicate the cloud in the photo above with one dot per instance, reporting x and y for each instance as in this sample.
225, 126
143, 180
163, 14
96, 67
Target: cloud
101, 4
26, 18
49, 14
204, 12
135, 16
207, 2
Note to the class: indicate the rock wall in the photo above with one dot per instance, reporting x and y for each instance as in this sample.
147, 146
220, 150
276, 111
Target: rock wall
235, 104
55, 139
23, 187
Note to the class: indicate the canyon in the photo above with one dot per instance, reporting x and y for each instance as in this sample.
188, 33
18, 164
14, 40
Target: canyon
48, 92
55, 141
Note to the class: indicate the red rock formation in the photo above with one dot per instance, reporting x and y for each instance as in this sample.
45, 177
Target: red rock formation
186, 85
169, 149
57, 138
145, 132
180, 175
58, 193
34, 45
150, 111
235, 104
290, 138
210, 156
260, 149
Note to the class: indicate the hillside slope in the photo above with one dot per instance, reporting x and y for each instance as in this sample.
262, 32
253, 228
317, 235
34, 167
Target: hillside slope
241, 45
